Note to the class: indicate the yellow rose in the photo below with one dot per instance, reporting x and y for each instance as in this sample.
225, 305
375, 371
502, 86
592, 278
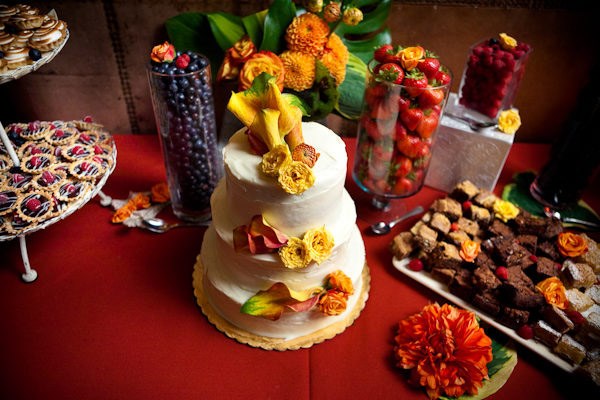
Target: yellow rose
263, 61
410, 57
507, 42
276, 159
296, 177
554, 292
469, 250
505, 210
333, 302
339, 281
163, 53
509, 121
294, 254
319, 243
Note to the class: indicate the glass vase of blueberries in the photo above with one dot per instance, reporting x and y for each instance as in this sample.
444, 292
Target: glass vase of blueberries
182, 98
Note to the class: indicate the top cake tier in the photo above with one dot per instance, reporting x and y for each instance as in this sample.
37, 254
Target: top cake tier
250, 192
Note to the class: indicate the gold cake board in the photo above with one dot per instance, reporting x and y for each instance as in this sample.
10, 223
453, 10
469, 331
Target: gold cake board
269, 343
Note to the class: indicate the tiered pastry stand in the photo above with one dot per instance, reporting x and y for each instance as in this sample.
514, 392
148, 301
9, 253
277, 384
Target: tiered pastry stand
30, 274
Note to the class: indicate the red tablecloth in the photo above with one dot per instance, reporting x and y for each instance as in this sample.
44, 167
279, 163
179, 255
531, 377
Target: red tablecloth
112, 314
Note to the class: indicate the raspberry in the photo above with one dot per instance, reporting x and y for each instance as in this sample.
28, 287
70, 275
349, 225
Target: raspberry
466, 205
525, 331
88, 119
33, 204
98, 150
533, 258
59, 133
78, 150
415, 264
502, 273
36, 161
182, 61
454, 227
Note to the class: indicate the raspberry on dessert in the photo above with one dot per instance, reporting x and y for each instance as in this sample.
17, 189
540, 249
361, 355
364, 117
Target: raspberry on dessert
415, 264
525, 331
502, 273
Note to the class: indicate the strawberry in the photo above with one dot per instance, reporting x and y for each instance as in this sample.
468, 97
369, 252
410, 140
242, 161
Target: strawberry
411, 117
429, 66
409, 145
402, 166
371, 127
382, 52
403, 104
431, 97
402, 186
415, 81
427, 125
390, 72
382, 109
374, 93
442, 78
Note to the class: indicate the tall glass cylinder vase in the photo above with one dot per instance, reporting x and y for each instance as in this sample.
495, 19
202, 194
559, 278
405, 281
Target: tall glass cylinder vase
185, 119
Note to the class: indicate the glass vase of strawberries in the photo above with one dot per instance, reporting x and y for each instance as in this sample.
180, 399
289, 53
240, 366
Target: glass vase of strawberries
405, 95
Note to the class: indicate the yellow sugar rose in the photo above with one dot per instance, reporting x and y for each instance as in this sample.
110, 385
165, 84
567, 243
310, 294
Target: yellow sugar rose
505, 210
319, 243
509, 121
296, 177
294, 254
410, 57
276, 159
507, 42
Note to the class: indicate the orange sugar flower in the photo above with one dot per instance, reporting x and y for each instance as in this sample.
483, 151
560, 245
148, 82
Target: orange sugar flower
469, 250
333, 302
299, 70
163, 52
160, 193
571, 244
554, 292
140, 201
123, 213
410, 57
307, 33
445, 349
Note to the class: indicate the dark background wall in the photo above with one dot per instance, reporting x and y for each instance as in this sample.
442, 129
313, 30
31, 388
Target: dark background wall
100, 71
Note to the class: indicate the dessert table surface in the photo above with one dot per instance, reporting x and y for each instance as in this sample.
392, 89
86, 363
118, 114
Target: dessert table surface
113, 315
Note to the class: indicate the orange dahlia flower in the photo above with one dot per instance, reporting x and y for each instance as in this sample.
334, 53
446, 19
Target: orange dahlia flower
299, 70
335, 57
307, 34
445, 349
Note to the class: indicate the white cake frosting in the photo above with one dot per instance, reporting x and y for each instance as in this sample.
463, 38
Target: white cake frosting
231, 277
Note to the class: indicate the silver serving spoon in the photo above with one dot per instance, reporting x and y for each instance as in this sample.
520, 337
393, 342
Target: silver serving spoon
382, 227
158, 225
555, 214
473, 124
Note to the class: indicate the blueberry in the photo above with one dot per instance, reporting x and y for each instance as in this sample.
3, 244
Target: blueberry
35, 54
1, 54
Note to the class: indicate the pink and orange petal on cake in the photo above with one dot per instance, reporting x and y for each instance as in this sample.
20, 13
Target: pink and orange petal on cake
258, 236
271, 303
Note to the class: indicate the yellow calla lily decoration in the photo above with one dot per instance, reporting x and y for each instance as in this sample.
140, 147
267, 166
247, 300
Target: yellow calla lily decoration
264, 110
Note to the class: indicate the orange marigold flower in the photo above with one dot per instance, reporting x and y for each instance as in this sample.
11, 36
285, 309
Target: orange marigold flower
469, 250
160, 193
123, 213
263, 61
299, 70
445, 349
339, 281
335, 57
140, 201
571, 244
554, 292
307, 33
333, 302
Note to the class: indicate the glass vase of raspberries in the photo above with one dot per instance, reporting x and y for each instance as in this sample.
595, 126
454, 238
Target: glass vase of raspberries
492, 75
180, 86
406, 91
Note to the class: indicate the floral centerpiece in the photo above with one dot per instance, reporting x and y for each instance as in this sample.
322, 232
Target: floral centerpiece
316, 49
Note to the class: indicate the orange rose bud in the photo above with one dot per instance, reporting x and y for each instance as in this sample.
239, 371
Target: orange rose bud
571, 244
242, 50
228, 71
163, 53
469, 250
554, 292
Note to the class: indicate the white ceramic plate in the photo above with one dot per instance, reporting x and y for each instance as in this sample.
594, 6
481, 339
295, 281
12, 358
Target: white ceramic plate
425, 279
